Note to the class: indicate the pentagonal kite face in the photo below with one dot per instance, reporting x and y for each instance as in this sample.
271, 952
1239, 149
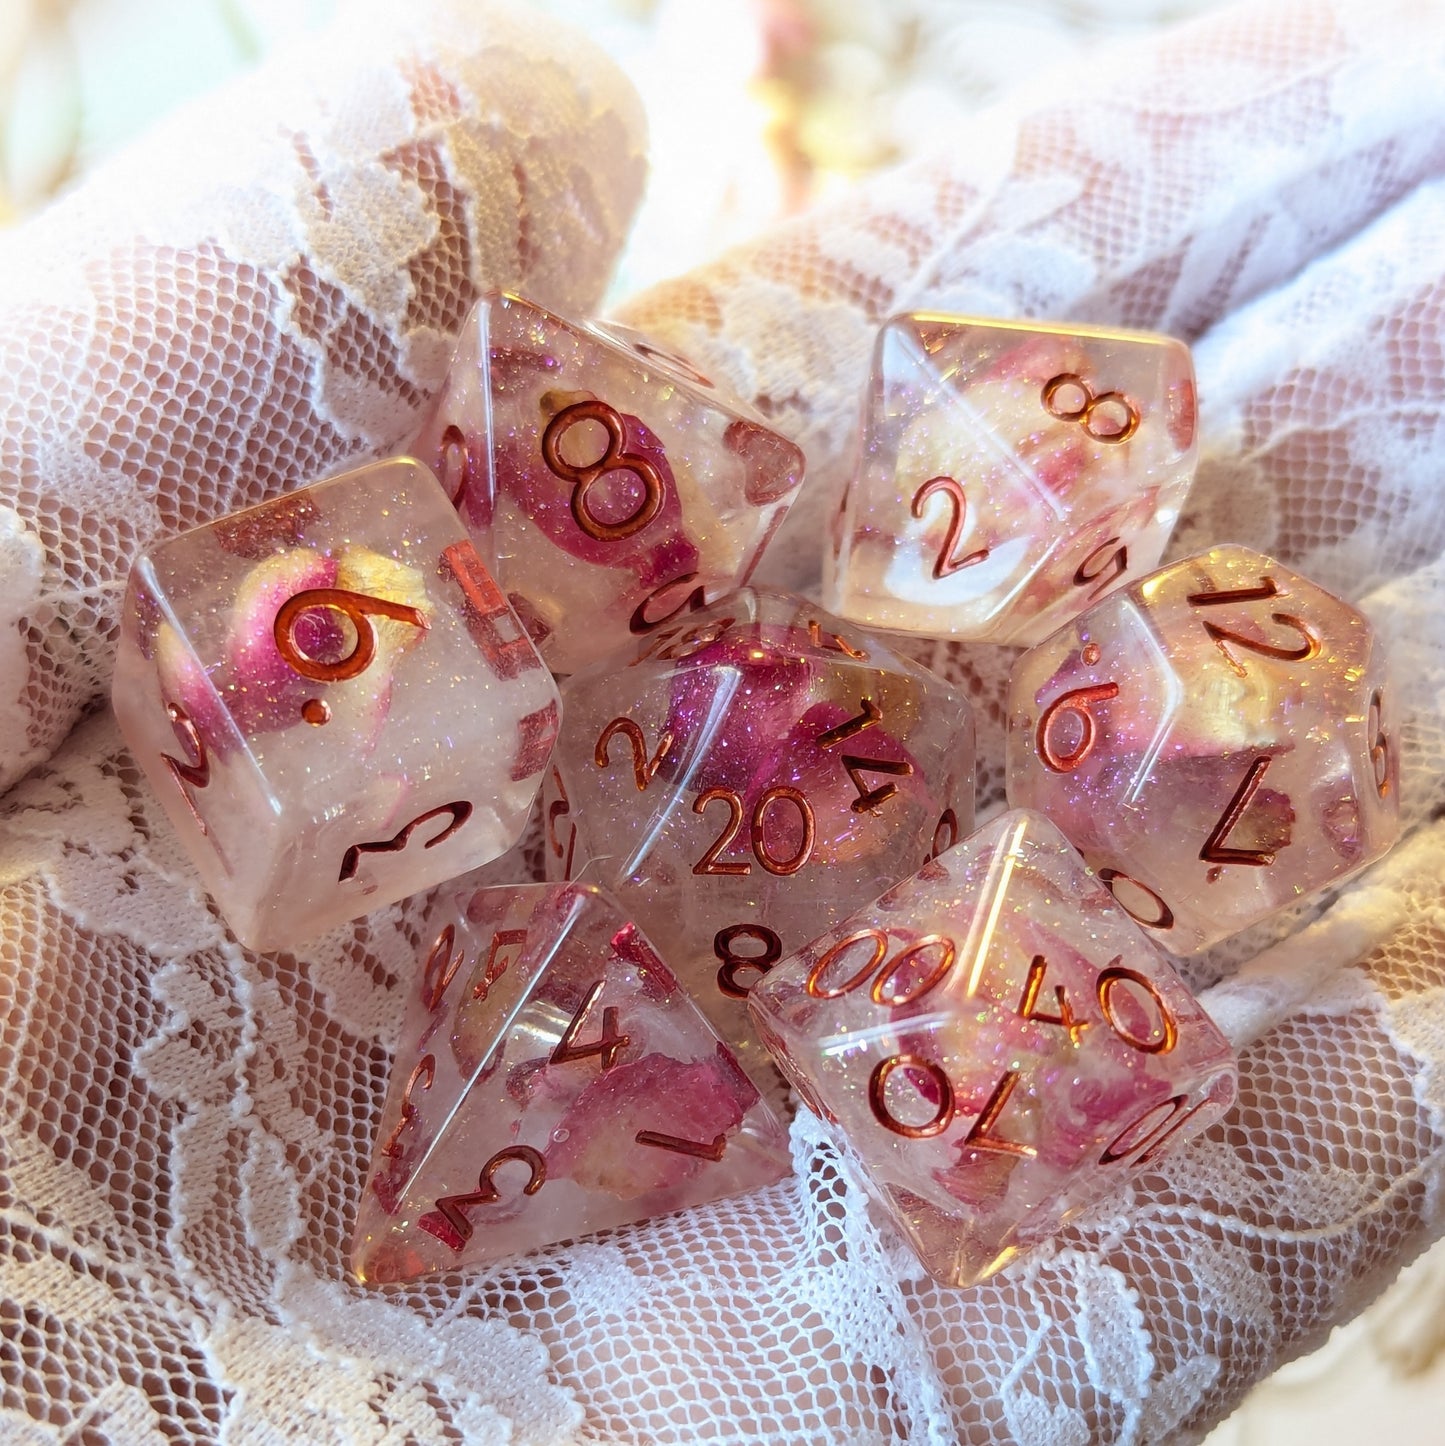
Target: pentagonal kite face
554, 1080
1216, 742
604, 480
999, 1042
753, 773
1011, 474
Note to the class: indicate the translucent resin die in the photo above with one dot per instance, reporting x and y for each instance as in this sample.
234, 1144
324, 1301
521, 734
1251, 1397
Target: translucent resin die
1216, 740
333, 701
999, 1043
1011, 474
745, 777
608, 485
553, 1080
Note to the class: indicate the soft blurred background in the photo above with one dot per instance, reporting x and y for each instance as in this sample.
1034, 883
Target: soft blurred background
791, 99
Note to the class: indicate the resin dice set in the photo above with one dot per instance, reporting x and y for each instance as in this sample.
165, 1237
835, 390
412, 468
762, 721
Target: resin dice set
757, 816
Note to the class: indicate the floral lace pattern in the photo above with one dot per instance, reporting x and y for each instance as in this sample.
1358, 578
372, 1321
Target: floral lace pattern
184, 1126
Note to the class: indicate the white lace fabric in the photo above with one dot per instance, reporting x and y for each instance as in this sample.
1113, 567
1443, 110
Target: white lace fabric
185, 1127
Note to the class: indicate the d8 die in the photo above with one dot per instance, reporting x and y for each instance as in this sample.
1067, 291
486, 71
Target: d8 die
746, 778
605, 482
1215, 741
554, 1080
1011, 474
999, 1043
333, 701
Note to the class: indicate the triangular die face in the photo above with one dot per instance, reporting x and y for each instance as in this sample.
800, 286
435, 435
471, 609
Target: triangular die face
573, 1087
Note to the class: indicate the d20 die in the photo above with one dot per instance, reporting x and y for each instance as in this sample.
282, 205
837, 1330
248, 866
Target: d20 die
606, 482
333, 701
998, 1042
555, 1080
1216, 741
746, 778
1011, 474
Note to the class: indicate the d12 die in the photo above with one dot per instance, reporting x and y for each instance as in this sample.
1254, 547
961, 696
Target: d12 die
606, 482
555, 1081
333, 700
1011, 474
749, 776
999, 1043
1215, 741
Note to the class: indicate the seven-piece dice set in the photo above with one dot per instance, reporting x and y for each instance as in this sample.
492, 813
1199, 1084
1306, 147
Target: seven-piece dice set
757, 815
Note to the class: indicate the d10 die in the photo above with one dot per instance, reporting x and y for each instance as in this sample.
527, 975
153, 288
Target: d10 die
333, 700
555, 1080
999, 1043
746, 778
1215, 741
605, 482
1012, 473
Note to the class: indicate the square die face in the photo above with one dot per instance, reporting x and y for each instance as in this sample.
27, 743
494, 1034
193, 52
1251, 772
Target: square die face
553, 1080
1011, 473
998, 1042
604, 480
332, 700
756, 771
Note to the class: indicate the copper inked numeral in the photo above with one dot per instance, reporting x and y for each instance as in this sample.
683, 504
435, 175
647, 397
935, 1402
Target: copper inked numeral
1215, 850
1223, 637
606, 1047
615, 458
679, 1146
1028, 1005
197, 774
454, 441
495, 968
489, 619
832, 641
870, 799
915, 990
871, 713
560, 807
426, 1068
762, 850
1077, 703
1380, 743
1124, 411
1164, 915
1146, 1144
981, 1136
449, 1223
887, 969
639, 623
732, 963
644, 770
1118, 560
708, 863
872, 936
442, 962
946, 564
878, 1103
945, 834
359, 609
460, 811
1109, 980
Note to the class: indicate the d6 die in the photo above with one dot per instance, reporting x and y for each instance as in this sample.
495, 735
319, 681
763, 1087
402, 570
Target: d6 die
605, 482
1011, 474
554, 1080
1215, 741
333, 701
999, 1043
746, 778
